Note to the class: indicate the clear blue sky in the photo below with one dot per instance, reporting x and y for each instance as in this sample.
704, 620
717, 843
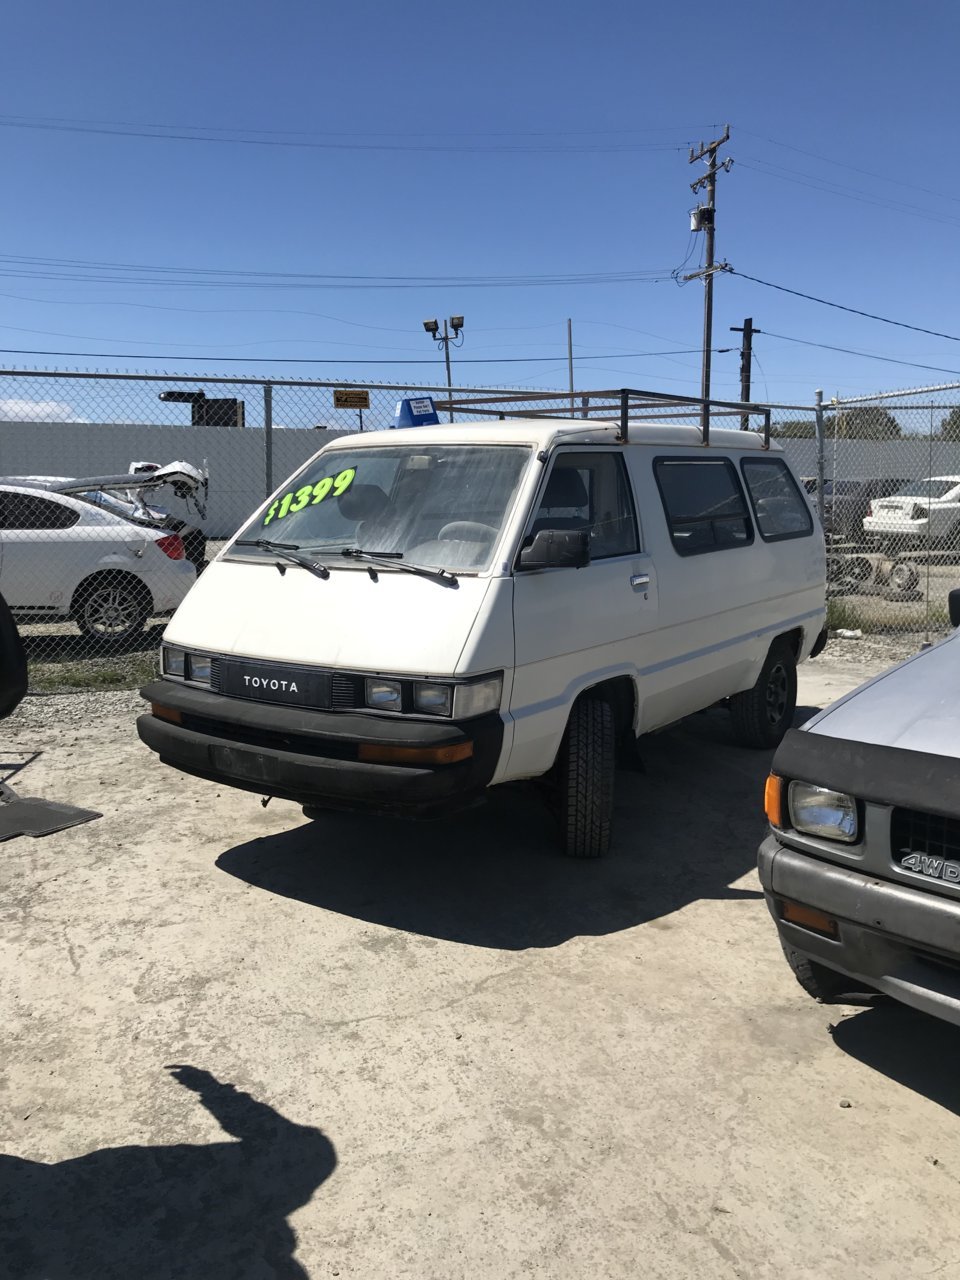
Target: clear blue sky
502, 139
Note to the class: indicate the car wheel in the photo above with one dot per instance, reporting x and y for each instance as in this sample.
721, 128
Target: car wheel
111, 606
763, 714
904, 576
585, 774
825, 985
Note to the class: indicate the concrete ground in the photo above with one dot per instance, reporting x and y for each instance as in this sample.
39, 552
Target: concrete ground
241, 1044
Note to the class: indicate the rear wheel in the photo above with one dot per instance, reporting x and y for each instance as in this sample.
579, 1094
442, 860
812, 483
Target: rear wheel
763, 714
111, 607
585, 773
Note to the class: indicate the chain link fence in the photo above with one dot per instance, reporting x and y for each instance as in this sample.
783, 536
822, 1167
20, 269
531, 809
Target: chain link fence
115, 490
891, 498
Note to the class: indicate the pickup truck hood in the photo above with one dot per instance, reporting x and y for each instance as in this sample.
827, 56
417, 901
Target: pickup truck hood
400, 623
914, 706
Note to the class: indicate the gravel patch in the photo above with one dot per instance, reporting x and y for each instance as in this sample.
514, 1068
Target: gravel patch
72, 710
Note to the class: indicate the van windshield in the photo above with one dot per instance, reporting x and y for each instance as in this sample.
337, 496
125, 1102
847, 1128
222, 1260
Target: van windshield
440, 506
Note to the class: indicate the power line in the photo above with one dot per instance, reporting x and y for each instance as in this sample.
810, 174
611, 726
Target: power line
77, 270
824, 185
839, 306
116, 355
865, 355
842, 164
196, 133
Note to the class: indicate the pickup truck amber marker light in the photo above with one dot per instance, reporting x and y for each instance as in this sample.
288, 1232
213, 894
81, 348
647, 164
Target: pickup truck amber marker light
773, 800
372, 753
809, 918
166, 713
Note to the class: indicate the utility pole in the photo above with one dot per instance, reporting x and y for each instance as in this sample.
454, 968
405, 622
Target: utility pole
570, 362
703, 219
746, 363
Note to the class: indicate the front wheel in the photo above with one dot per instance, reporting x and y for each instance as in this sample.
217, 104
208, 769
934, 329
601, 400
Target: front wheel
586, 769
763, 714
825, 985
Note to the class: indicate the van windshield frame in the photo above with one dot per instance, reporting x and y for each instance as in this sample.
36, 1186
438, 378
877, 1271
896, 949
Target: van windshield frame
437, 506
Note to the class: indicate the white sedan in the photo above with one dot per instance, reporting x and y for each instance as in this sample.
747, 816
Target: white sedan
919, 510
61, 557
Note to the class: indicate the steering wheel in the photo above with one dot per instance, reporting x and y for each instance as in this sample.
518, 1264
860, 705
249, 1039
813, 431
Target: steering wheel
466, 531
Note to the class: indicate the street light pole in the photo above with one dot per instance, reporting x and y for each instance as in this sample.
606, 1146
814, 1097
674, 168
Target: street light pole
446, 356
444, 340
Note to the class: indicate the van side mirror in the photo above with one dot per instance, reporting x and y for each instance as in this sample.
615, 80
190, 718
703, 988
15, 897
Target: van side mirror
557, 549
953, 606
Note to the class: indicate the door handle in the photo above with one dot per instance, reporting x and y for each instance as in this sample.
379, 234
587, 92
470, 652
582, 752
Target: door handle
640, 580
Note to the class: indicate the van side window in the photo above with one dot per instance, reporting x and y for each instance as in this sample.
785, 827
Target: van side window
591, 491
704, 504
780, 511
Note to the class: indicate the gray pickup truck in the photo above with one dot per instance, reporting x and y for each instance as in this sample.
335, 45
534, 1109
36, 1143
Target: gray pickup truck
861, 870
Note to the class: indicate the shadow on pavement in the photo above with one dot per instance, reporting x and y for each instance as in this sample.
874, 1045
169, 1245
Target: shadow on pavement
914, 1049
212, 1212
71, 646
684, 829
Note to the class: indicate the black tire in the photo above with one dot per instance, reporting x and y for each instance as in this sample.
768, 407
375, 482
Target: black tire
586, 771
763, 714
111, 607
904, 576
825, 985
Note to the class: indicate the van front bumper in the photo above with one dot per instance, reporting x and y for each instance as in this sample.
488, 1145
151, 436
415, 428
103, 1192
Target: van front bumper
891, 937
313, 757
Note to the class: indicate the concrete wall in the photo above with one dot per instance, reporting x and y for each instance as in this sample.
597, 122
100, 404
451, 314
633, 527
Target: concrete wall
234, 457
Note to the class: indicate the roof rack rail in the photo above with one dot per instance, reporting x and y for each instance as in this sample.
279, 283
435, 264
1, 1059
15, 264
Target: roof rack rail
623, 404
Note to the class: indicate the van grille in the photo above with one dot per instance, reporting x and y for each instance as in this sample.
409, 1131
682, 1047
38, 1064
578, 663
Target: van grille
912, 831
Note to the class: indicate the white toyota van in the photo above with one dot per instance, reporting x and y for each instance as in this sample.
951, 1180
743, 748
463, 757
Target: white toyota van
418, 615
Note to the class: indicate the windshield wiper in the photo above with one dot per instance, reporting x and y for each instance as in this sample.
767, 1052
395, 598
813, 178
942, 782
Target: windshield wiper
394, 560
288, 550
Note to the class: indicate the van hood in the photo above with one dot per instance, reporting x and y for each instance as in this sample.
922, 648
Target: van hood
913, 707
400, 623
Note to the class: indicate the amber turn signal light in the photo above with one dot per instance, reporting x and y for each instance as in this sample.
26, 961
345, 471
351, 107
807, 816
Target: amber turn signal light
773, 800
375, 753
809, 918
166, 713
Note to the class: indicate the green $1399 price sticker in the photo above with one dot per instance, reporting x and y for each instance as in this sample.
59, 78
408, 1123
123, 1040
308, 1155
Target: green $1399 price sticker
310, 494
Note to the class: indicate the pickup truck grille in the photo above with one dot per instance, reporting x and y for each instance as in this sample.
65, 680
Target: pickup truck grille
927, 833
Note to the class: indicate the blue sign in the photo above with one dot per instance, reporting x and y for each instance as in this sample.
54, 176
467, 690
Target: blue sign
415, 411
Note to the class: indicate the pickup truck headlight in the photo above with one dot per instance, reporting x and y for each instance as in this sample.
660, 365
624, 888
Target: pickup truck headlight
818, 811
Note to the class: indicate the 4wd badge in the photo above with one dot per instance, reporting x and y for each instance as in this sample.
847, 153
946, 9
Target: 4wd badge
935, 868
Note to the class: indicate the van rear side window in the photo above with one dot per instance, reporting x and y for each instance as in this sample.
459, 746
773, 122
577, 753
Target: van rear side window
779, 509
704, 504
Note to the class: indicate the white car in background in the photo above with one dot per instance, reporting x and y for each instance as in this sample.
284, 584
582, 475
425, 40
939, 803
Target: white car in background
920, 509
62, 557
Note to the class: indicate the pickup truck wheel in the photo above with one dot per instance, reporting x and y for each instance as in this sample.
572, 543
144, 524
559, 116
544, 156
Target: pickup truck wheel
817, 980
763, 714
586, 769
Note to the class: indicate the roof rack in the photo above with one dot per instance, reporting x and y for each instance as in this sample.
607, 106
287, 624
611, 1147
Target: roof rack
625, 404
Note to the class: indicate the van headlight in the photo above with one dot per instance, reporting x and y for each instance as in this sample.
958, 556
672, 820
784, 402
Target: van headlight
384, 695
181, 664
454, 699
818, 811
198, 668
433, 699
173, 661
